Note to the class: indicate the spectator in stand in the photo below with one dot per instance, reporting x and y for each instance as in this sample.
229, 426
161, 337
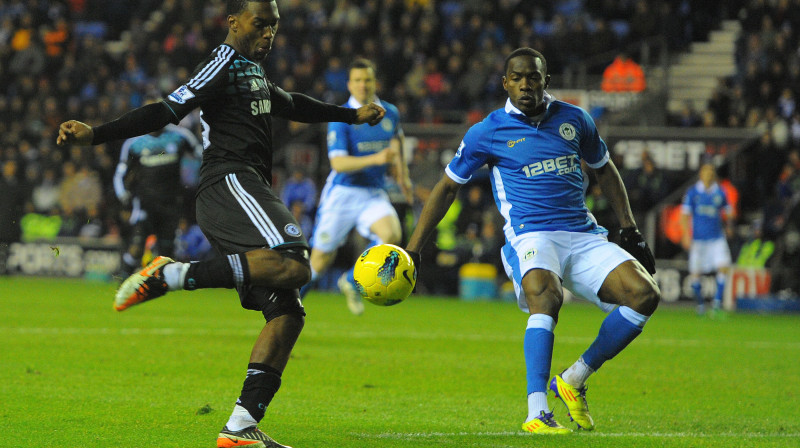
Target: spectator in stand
300, 189
623, 75
686, 118
646, 186
644, 21
12, 201
603, 39
45, 193
190, 242
472, 209
778, 127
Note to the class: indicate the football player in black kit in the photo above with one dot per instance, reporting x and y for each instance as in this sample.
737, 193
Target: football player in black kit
148, 166
263, 253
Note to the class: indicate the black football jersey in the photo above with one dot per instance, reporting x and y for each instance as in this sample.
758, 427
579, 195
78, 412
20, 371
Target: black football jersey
151, 164
237, 102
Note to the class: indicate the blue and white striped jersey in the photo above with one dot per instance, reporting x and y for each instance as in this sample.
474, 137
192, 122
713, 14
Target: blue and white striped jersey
535, 166
362, 140
705, 205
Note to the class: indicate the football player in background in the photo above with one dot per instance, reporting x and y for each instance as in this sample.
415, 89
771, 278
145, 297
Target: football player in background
262, 251
707, 207
355, 195
534, 147
150, 165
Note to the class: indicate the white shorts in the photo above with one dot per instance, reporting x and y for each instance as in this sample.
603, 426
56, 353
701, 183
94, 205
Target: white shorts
342, 208
708, 256
581, 260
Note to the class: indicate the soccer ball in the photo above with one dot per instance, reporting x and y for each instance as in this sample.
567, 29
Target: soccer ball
384, 275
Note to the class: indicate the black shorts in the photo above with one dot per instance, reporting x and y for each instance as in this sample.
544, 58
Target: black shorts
240, 213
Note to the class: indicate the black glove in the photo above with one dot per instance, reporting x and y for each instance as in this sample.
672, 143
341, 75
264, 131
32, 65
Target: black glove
417, 263
632, 241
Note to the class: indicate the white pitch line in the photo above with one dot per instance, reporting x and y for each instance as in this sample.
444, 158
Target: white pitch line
325, 331
657, 435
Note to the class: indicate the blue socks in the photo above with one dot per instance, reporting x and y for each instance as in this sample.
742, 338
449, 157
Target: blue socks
720, 290
698, 294
538, 346
618, 329
350, 277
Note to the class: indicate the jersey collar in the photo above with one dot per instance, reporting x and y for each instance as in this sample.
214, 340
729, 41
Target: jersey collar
354, 104
702, 187
512, 110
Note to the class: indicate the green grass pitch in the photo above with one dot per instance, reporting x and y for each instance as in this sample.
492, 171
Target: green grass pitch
429, 372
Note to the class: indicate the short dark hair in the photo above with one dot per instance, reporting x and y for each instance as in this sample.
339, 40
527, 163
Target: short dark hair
362, 63
526, 51
237, 6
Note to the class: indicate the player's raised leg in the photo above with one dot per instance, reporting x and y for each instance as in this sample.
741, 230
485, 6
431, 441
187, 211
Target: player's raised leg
142, 286
631, 287
263, 267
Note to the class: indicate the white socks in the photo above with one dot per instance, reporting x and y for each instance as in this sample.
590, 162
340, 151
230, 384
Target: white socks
537, 402
240, 419
174, 275
577, 373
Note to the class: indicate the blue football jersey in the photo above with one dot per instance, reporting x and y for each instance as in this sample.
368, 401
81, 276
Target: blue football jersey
362, 140
705, 205
535, 166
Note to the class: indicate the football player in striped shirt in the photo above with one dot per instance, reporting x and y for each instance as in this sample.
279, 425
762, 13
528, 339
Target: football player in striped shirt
263, 252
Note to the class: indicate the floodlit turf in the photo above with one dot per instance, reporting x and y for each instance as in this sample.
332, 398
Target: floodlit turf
426, 373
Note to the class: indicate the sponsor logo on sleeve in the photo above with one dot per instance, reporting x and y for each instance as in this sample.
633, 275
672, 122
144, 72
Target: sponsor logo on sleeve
181, 95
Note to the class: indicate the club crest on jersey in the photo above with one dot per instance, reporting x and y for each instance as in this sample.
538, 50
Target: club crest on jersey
386, 124
567, 131
181, 95
292, 230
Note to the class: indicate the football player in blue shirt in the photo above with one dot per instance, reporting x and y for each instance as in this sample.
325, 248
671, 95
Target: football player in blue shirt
534, 147
355, 195
705, 203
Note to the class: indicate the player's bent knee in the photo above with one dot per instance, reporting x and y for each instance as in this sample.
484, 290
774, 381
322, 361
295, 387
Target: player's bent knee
298, 268
544, 300
646, 298
294, 275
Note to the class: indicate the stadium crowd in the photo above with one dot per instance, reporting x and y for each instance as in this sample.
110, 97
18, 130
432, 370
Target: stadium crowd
440, 61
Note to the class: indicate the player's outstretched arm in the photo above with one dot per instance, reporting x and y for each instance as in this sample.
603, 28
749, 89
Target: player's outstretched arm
371, 114
139, 121
630, 238
74, 132
401, 170
442, 196
346, 164
614, 189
